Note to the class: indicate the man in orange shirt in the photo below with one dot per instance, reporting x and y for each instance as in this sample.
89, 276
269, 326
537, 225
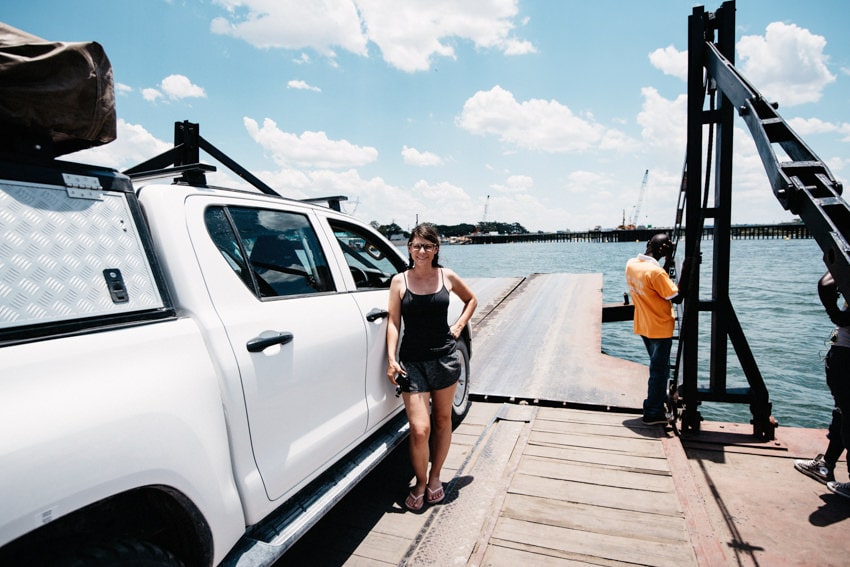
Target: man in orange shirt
653, 293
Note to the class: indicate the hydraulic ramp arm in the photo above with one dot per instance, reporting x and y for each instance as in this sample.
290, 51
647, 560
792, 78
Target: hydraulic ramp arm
800, 181
803, 185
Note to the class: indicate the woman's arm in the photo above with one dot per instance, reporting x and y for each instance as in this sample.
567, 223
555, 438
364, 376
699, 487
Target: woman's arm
470, 302
393, 328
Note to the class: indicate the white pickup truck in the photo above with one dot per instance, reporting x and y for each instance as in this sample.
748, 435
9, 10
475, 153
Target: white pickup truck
188, 375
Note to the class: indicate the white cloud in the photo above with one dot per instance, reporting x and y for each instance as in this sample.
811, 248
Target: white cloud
807, 126
787, 64
133, 145
151, 95
409, 34
670, 61
536, 124
663, 121
442, 195
412, 156
294, 24
121, 88
179, 87
302, 86
585, 181
310, 149
515, 184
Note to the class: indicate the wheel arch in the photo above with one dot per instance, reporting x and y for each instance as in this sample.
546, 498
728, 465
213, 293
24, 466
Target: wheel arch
160, 515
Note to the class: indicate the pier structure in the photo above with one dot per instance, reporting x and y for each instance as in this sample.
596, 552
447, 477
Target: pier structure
553, 466
785, 231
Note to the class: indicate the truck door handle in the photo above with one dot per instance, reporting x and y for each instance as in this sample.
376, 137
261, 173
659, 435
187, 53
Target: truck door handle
259, 344
377, 314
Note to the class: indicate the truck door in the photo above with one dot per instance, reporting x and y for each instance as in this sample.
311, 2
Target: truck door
372, 262
299, 344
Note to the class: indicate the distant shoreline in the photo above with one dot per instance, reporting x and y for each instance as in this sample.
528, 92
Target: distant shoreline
784, 231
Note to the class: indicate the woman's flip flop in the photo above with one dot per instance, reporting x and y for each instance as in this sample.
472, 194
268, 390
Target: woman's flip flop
414, 503
435, 496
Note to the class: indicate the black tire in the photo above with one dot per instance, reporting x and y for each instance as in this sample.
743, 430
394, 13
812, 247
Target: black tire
460, 404
122, 553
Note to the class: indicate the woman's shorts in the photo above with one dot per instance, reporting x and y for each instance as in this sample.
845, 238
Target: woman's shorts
430, 375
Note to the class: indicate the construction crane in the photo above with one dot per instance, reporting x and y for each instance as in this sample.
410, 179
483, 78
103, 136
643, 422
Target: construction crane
641, 195
481, 227
636, 211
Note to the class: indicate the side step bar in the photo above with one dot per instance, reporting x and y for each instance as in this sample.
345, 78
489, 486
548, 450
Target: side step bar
266, 542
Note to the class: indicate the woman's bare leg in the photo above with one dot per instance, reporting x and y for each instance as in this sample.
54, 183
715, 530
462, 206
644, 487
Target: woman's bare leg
418, 414
441, 416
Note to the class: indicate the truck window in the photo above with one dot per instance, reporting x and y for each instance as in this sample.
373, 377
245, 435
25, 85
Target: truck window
275, 253
371, 260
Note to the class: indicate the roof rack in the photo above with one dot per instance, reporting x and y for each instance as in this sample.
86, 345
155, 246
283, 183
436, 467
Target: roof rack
183, 163
332, 201
184, 160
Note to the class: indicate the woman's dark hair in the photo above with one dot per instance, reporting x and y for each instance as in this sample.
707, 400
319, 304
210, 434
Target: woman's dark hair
427, 232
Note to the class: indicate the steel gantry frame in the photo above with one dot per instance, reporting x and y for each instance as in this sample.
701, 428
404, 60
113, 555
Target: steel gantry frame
801, 183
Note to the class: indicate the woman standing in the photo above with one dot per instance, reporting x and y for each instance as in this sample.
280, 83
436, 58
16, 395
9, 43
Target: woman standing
428, 366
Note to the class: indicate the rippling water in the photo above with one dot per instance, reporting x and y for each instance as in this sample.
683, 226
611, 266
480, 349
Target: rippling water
773, 288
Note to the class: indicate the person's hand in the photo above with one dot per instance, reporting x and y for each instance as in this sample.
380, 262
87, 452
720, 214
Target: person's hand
393, 370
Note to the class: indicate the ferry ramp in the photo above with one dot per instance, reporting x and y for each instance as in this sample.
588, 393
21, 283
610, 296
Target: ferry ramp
540, 338
571, 483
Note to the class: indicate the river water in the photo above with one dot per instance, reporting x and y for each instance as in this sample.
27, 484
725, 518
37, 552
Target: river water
773, 289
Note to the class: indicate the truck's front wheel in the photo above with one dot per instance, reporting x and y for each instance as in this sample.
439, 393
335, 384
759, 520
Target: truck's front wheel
460, 405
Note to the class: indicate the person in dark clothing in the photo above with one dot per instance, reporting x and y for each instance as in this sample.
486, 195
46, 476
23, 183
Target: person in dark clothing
837, 365
426, 365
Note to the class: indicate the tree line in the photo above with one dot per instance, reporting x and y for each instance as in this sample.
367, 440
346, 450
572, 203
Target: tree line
463, 229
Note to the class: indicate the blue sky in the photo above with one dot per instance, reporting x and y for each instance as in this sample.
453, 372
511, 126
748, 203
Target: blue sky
541, 112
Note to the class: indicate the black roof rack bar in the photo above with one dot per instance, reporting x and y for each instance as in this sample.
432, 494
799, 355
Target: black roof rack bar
186, 154
171, 171
333, 201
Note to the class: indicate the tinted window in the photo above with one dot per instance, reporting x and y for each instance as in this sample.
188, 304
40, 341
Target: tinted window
274, 253
370, 259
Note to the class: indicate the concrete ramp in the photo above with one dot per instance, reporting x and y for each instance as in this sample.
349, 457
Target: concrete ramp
540, 338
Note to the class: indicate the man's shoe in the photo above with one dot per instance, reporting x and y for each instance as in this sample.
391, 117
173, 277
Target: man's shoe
842, 488
817, 468
654, 420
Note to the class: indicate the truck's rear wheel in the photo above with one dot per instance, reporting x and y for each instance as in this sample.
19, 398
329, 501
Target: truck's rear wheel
122, 553
460, 404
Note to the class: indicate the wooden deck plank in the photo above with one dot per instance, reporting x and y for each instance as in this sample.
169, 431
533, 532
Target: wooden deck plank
501, 556
606, 546
358, 561
629, 446
597, 519
594, 474
583, 416
608, 496
382, 547
631, 427
598, 456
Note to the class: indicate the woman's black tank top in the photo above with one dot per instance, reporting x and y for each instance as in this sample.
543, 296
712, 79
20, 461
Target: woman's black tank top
426, 329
